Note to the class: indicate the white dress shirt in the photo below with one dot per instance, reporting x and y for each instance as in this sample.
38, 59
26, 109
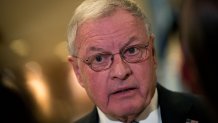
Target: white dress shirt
150, 115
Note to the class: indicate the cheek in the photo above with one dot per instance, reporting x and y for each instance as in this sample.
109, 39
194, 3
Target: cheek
145, 73
96, 87
145, 70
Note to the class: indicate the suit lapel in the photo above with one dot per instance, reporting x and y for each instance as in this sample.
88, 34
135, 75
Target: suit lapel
93, 117
173, 108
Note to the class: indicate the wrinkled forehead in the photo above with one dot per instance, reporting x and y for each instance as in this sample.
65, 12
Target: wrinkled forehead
92, 9
121, 20
118, 17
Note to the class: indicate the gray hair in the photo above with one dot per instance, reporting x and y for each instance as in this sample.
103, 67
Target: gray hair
93, 9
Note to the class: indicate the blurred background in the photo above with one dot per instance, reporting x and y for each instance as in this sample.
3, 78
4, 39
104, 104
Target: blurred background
33, 55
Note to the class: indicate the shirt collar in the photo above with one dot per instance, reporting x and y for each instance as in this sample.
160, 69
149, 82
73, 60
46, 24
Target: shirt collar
150, 115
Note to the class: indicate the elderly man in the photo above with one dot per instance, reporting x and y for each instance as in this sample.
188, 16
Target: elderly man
113, 56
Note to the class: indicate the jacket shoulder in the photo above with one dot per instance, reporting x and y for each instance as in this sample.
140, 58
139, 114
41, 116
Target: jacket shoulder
179, 107
91, 117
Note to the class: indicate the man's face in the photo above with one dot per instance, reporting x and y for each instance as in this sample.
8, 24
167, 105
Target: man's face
125, 88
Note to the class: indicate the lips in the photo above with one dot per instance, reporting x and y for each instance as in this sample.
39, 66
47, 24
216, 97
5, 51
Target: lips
123, 90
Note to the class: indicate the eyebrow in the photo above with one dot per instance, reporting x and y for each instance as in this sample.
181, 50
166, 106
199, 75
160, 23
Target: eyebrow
132, 39
93, 48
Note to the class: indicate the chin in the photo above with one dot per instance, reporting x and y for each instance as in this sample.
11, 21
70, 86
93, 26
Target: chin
127, 110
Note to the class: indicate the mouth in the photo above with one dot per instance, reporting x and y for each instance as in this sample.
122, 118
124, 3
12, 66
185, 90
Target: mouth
124, 90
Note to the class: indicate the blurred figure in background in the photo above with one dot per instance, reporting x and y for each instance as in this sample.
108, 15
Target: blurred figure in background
165, 15
13, 107
199, 39
164, 20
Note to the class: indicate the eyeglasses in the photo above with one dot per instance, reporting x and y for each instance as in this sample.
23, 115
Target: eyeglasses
131, 54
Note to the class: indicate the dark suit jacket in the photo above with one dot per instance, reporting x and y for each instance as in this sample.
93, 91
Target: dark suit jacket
175, 108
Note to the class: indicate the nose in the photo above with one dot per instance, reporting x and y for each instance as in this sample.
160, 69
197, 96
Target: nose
120, 69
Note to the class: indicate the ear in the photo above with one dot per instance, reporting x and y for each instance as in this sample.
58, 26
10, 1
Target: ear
152, 39
190, 77
73, 61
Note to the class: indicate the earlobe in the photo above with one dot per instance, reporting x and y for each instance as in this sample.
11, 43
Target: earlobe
76, 69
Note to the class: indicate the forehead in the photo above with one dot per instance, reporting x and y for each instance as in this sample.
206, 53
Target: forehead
120, 25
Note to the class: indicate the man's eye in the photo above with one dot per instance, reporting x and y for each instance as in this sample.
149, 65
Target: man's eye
131, 51
101, 58
98, 58
95, 59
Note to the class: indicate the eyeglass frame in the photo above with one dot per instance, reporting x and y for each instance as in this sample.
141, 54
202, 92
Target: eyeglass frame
121, 52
